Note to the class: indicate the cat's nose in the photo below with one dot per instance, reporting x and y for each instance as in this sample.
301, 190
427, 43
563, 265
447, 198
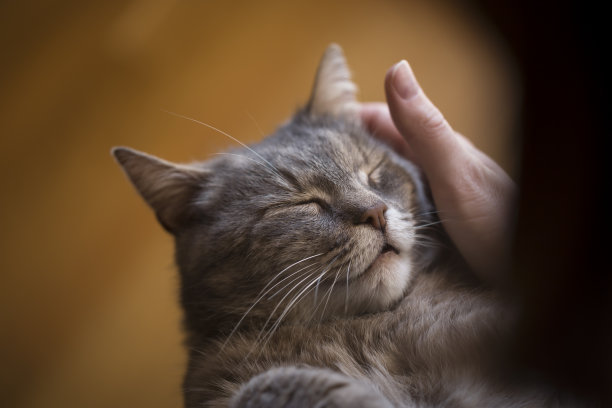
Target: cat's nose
375, 215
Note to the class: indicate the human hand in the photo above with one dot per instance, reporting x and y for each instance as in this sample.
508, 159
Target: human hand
473, 195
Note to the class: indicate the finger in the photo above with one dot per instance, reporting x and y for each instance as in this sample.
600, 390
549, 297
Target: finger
377, 119
428, 134
477, 154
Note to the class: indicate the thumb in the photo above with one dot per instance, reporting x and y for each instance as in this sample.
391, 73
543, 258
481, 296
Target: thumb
430, 137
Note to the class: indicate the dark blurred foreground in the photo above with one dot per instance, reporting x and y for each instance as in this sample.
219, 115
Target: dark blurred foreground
562, 263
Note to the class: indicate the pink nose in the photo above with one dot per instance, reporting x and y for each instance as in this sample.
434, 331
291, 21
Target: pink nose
375, 215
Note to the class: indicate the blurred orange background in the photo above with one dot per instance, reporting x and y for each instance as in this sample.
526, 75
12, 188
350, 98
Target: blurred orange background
89, 314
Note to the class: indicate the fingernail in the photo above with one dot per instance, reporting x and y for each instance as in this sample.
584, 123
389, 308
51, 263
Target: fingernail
403, 80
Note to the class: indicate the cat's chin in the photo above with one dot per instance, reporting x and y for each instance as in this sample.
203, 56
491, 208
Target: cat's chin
384, 283
385, 258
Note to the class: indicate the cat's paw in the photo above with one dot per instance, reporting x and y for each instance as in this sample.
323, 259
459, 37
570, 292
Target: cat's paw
299, 387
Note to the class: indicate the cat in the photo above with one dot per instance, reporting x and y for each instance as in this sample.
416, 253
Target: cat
315, 272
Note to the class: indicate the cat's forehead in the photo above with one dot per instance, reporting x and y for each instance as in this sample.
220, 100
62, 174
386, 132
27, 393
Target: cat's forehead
337, 148
325, 157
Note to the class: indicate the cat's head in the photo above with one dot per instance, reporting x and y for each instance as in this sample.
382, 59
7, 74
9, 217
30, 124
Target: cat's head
317, 220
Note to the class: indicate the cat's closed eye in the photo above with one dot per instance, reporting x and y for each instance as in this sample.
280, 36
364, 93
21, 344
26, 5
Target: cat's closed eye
315, 204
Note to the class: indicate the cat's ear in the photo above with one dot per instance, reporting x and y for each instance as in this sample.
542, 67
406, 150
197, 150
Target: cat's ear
170, 189
334, 93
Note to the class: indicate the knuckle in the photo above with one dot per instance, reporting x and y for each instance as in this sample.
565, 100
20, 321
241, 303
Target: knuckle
379, 117
375, 119
433, 121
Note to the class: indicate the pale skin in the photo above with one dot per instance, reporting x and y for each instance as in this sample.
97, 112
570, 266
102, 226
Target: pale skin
473, 195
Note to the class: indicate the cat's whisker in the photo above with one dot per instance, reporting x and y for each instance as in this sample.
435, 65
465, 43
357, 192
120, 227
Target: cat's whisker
428, 242
262, 295
329, 292
348, 271
421, 235
318, 304
319, 279
412, 210
287, 268
255, 123
241, 156
197, 351
263, 328
295, 299
310, 274
288, 283
443, 219
316, 290
272, 167
429, 224
263, 292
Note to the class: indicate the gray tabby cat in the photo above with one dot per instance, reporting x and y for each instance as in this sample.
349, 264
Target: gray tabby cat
314, 272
